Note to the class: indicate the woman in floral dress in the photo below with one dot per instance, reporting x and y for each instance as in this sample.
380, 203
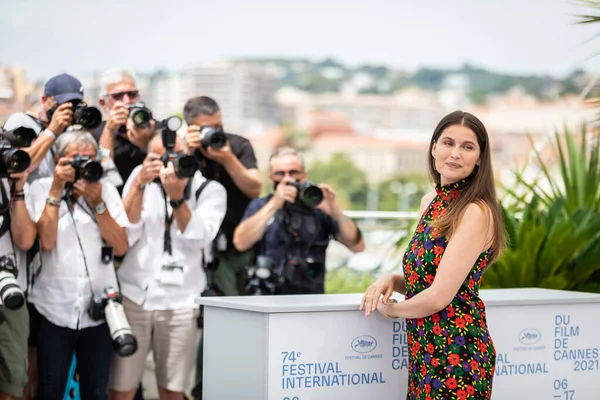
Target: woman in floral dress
460, 234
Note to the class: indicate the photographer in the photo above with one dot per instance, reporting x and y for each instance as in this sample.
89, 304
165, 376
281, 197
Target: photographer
17, 234
163, 270
60, 92
124, 140
294, 235
228, 159
80, 222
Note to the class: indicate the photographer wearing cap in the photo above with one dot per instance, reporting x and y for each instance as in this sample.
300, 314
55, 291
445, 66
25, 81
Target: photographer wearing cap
17, 234
125, 142
60, 94
80, 221
175, 215
292, 227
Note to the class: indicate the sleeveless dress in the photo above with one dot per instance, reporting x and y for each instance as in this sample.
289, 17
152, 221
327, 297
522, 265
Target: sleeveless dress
451, 353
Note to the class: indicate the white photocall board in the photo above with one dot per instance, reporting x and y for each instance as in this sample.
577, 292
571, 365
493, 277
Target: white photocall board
322, 348
548, 352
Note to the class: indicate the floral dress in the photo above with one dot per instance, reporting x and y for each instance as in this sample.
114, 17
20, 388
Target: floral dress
451, 353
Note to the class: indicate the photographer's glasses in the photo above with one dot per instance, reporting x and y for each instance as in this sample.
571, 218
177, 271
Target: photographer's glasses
294, 173
132, 94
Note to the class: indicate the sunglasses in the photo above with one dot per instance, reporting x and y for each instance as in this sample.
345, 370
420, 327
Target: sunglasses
132, 94
295, 174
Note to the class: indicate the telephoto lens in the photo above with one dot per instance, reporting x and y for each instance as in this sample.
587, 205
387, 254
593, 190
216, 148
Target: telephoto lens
10, 292
211, 137
123, 340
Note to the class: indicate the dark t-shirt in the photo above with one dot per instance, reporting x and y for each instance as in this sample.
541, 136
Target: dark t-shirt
237, 201
273, 243
127, 156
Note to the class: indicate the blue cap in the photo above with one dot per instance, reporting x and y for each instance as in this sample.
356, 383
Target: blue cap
64, 88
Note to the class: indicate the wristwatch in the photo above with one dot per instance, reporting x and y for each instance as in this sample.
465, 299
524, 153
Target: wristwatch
176, 203
100, 208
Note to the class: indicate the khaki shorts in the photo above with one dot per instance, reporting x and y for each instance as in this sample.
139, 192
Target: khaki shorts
14, 332
172, 335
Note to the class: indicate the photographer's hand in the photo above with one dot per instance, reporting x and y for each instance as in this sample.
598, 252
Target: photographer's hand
90, 191
19, 179
63, 173
349, 234
221, 156
283, 193
192, 137
117, 117
61, 119
174, 187
140, 137
151, 168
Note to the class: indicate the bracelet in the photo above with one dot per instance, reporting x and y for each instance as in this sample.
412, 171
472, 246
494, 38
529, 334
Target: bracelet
19, 192
52, 201
140, 186
48, 132
19, 197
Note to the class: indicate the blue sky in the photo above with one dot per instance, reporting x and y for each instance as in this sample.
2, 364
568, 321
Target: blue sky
513, 36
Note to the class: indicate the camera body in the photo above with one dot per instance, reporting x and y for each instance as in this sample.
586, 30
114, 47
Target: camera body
88, 168
263, 278
88, 117
308, 197
185, 165
211, 137
11, 158
107, 305
10, 293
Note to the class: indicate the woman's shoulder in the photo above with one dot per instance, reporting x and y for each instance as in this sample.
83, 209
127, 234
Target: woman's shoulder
426, 200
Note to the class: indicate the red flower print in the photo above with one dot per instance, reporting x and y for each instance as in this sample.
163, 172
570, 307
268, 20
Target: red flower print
450, 310
471, 283
474, 365
437, 330
470, 390
430, 349
454, 359
421, 252
435, 362
461, 394
429, 278
435, 317
420, 321
427, 388
438, 250
454, 193
468, 318
460, 323
451, 383
437, 260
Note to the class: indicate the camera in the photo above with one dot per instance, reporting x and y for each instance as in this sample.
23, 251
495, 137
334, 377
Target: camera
309, 195
10, 292
108, 306
139, 114
88, 117
262, 278
87, 168
185, 165
211, 137
305, 274
11, 158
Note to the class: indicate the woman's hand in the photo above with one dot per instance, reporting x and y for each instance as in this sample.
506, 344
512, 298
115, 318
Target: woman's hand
382, 286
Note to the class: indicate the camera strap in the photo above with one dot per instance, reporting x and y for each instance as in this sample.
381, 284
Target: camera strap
69, 201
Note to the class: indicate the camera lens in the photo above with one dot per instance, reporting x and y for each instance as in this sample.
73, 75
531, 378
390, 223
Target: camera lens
312, 196
10, 292
88, 117
20, 137
141, 117
185, 166
15, 160
212, 137
91, 171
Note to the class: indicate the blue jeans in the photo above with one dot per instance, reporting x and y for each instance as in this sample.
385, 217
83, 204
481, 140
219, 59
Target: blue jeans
56, 346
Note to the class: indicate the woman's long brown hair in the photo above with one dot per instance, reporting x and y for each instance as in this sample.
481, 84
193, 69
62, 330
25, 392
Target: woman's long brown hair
480, 188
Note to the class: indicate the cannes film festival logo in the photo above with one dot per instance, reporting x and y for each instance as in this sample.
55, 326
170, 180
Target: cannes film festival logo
529, 336
364, 344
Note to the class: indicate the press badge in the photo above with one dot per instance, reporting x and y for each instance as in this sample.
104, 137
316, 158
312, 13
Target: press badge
171, 274
171, 271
